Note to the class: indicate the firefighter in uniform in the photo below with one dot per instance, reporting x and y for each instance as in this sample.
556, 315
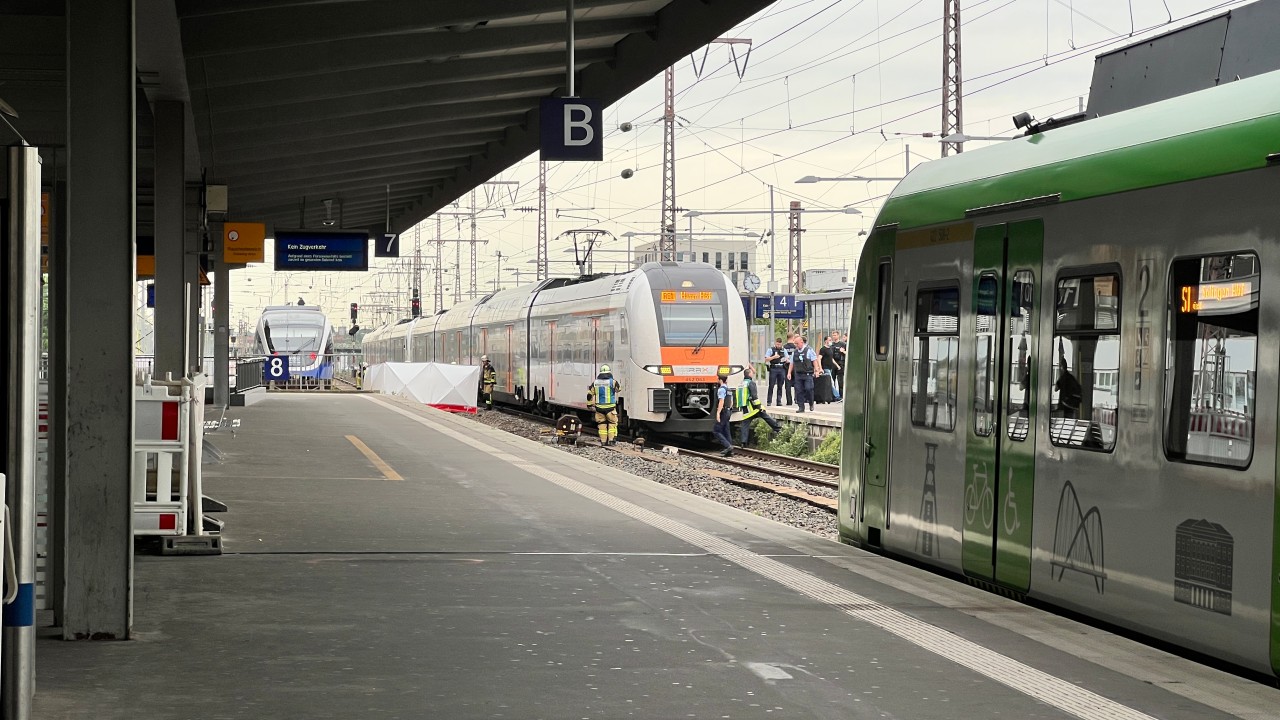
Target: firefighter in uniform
602, 396
747, 398
488, 379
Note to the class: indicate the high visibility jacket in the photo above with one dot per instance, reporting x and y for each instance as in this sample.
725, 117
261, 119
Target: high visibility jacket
741, 397
752, 406
603, 394
489, 379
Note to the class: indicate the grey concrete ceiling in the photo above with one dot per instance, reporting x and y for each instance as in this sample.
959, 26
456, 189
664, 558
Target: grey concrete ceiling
298, 101
307, 100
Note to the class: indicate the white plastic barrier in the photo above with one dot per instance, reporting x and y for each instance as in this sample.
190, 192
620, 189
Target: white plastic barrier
160, 461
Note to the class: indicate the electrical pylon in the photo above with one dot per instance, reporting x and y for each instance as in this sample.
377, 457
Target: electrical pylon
952, 99
667, 242
542, 221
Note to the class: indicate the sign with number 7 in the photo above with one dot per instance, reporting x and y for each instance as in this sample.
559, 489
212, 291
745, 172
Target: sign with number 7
387, 245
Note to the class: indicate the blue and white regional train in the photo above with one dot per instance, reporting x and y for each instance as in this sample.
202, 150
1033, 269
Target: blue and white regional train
304, 335
665, 329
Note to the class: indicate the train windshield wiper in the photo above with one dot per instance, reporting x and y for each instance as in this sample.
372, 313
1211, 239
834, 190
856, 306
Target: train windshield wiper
710, 329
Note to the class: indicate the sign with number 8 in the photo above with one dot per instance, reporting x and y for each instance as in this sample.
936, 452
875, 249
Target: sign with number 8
277, 368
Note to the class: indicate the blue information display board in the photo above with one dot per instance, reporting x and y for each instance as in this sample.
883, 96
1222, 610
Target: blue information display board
788, 308
276, 369
322, 250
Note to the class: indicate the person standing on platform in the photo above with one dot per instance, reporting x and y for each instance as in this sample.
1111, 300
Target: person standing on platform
602, 396
805, 366
724, 411
789, 349
747, 398
488, 380
841, 353
777, 360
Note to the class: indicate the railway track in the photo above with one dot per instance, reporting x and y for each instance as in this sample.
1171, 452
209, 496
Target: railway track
798, 470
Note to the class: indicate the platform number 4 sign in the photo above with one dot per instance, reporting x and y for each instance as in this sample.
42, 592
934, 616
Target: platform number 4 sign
277, 369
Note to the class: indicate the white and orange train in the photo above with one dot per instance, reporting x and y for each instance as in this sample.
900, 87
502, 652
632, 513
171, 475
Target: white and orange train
665, 329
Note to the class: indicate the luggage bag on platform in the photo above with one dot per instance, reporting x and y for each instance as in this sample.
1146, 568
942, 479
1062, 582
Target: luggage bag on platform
822, 392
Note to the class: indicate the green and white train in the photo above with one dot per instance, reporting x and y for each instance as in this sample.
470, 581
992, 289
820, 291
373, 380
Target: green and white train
1064, 371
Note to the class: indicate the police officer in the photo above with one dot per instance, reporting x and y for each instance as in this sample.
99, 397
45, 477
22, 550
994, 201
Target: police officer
777, 360
724, 411
602, 396
488, 379
747, 398
805, 366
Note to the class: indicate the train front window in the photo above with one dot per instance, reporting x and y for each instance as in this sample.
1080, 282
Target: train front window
1086, 349
1212, 360
692, 323
293, 332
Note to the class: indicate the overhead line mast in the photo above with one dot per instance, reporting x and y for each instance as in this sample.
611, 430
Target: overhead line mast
667, 241
952, 98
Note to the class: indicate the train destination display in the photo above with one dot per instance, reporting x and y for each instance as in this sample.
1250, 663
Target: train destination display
322, 250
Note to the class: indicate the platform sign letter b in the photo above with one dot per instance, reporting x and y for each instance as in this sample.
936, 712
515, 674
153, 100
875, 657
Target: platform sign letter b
572, 129
573, 138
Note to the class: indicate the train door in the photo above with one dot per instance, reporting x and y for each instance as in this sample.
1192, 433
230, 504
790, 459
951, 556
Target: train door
595, 346
870, 511
484, 341
1000, 446
511, 363
551, 359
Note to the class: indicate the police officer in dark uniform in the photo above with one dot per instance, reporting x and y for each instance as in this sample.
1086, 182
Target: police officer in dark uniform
777, 360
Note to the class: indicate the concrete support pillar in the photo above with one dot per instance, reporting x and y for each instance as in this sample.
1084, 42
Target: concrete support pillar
221, 321
59, 311
170, 241
193, 244
101, 140
21, 363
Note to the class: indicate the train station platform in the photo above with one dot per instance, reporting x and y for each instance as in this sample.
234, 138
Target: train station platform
384, 560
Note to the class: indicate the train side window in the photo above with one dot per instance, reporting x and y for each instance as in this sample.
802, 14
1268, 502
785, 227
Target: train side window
1021, 392
1086, 348
935, 354
1212, 363
984, 361
883, 307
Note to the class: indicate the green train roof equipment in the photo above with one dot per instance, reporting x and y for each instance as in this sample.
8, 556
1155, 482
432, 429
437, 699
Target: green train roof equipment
1221, 130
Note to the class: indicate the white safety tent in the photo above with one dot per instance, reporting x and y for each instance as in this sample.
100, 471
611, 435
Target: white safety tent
453, 388
390, 378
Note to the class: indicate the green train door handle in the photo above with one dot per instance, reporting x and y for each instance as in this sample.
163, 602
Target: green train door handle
869, 449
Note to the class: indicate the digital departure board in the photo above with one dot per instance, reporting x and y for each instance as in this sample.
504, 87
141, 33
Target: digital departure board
670, 296
1219, 297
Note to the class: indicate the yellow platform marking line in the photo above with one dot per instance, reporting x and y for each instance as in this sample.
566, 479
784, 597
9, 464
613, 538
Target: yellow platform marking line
378, 462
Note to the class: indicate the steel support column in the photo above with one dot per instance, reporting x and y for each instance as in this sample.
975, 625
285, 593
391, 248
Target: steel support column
795, 255
170, 241
952, 105
101, 141
221, 321
193, 243
22, 368
59, 310
667, 241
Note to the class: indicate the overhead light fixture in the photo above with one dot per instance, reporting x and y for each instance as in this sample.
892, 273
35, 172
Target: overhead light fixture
328, 213
7, 109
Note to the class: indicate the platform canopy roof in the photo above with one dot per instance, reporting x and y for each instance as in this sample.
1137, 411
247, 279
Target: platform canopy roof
293, 102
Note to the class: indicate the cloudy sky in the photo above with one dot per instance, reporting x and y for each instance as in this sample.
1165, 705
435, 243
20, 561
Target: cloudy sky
831, 88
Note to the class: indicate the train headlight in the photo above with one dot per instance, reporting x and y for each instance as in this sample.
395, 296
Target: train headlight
728, 369
659, 369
